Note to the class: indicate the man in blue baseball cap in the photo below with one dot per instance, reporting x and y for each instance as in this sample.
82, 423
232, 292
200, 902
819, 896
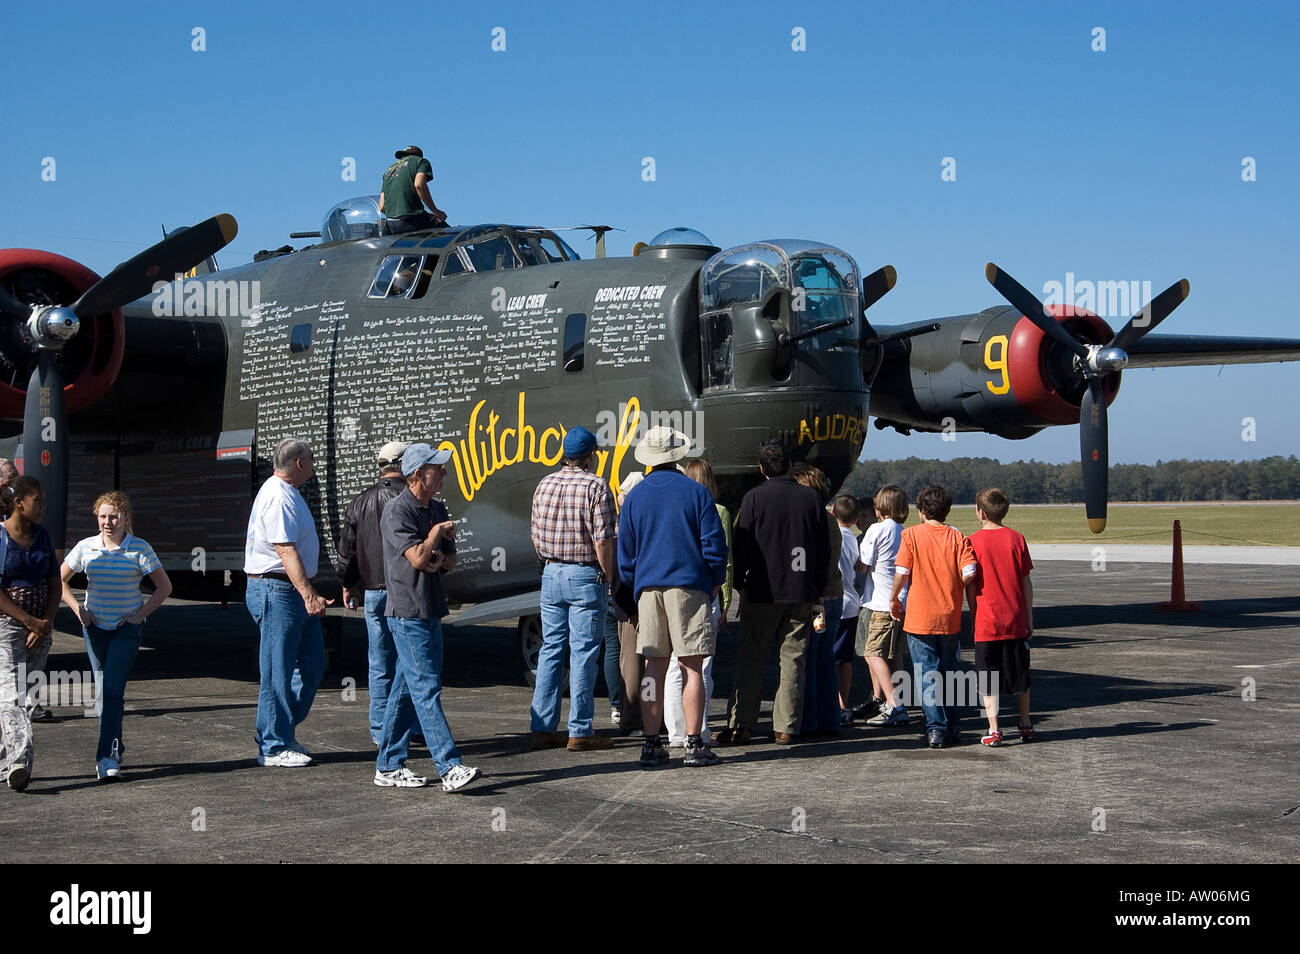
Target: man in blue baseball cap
419, 542
574, 527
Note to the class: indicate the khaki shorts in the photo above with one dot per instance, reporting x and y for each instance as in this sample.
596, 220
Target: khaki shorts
879, 634
673, 620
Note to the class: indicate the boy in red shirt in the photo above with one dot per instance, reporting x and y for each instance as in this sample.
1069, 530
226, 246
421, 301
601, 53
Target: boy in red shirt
936, 562
1002, 604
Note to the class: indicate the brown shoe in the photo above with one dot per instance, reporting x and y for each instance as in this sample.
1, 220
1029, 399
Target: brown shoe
589, 743
784, 738
549, 740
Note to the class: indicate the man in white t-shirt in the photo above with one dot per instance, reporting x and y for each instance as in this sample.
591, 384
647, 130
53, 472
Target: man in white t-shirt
880, 637
280, 558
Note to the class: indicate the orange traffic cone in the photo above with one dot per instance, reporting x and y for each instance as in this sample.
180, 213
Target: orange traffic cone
1177, 597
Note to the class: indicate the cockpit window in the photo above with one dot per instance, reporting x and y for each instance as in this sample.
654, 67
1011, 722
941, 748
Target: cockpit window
551, 246
530, 252
747, 273
492, 254
403, 276
829, 285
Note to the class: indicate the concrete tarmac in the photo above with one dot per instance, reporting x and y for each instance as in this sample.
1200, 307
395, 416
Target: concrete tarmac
1161, 738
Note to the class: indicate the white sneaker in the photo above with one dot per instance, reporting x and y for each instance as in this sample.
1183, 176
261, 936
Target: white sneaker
285, 758
108, 770
298, 747
458, 777
400, 778
615, 717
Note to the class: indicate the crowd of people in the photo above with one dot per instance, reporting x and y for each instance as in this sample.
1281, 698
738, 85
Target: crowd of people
651, 579
817, 578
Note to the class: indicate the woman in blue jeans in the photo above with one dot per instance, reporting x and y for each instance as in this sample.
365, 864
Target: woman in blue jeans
114, 563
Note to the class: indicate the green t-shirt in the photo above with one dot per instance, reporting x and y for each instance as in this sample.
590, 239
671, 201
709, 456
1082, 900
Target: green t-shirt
400, 197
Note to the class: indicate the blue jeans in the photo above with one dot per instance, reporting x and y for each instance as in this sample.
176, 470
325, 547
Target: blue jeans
932, 658
383, 659
416, 697
112, 654
821, 697
291, 658
613, 676
573, 614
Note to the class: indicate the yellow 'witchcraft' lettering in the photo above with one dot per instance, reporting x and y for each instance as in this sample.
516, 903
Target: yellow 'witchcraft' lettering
484, 451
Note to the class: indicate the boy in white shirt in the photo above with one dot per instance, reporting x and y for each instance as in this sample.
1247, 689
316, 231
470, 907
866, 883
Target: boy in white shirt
845, 511
879, 635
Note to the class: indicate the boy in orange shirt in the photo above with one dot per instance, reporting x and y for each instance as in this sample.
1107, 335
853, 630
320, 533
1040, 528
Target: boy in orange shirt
1002, 605
937, 563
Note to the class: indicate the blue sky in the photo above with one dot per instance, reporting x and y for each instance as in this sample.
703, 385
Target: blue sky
1122, 165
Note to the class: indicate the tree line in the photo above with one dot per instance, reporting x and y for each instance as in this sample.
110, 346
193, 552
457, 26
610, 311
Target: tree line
1031, 481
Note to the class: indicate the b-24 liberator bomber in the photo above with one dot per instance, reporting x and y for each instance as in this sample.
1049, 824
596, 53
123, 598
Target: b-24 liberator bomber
174, 381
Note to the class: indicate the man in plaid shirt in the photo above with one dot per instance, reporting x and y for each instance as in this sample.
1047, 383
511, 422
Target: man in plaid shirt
574, 528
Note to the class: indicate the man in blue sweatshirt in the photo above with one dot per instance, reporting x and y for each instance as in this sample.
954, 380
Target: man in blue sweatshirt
673, 553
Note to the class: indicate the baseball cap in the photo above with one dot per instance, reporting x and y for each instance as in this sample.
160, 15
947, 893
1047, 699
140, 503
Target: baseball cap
579, 442
391, 453
417, 455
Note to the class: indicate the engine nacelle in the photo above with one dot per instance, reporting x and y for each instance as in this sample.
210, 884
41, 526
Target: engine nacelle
994, 371
91, 360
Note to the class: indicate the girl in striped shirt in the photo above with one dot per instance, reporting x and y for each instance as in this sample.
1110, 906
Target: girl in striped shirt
114, 562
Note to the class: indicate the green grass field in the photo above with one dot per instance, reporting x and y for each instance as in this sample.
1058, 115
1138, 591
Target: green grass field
1225, 524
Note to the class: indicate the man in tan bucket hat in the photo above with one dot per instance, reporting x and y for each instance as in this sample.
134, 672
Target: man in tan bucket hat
673, 553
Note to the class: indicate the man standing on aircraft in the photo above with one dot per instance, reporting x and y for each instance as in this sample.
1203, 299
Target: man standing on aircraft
280, 557
574, 530
405, 193
361, 566
781, 562
419, 546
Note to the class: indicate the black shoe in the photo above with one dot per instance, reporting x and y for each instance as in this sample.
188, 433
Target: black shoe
653, 754
936, 739
868, 709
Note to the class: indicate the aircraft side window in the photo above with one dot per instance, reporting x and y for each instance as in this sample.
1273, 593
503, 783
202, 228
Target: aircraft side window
300, 338
426, 276
717, 350
384, 277
455, 265
575, 341
408, 270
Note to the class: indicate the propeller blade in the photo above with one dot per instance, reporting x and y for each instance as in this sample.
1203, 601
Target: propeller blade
877, 285
1095, 453
45, 443
1028, 305
1156, 311
135, 278
11, 307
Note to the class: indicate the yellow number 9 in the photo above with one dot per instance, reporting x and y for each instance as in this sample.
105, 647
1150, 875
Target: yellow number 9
999, 364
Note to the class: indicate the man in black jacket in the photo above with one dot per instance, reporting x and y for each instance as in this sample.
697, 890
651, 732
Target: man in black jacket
781, 561
361, 568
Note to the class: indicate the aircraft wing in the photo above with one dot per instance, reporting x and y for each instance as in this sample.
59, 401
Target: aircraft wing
1171, 351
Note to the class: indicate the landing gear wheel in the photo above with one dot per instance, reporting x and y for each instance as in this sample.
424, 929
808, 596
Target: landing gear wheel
530, 645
